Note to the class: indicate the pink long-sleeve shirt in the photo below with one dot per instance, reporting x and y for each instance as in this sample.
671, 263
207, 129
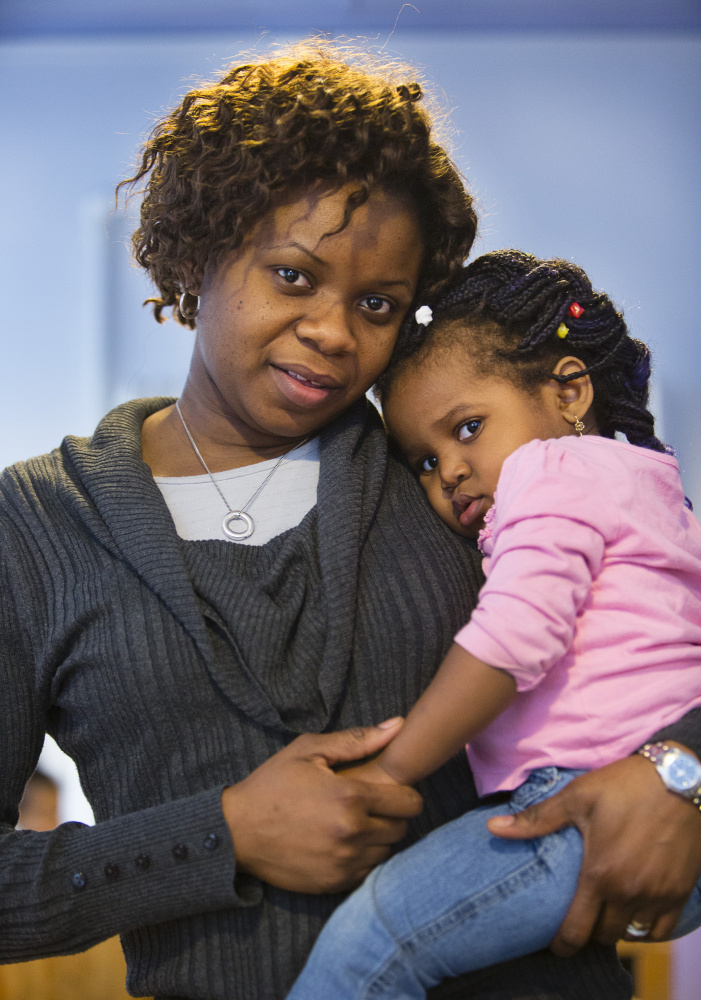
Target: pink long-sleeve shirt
592, 603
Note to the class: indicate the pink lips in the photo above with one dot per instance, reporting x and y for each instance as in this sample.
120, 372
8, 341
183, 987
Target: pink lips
467, 509
303, 386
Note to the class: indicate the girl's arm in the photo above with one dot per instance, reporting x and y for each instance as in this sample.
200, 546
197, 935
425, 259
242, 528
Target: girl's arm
464, 697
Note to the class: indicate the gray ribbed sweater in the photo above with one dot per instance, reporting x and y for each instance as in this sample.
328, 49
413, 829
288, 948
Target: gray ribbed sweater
169, 669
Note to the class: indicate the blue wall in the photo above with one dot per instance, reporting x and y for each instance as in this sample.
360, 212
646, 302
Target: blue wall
581, 145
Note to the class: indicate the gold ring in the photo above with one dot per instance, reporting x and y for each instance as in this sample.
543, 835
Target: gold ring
637, 929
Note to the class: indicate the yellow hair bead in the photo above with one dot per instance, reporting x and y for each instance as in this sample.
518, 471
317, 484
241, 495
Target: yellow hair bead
562, 331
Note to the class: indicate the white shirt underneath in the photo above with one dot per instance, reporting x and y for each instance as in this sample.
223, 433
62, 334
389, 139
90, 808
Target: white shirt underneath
290, 493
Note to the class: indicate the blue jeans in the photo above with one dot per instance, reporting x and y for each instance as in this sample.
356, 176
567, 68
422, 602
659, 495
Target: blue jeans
458, 900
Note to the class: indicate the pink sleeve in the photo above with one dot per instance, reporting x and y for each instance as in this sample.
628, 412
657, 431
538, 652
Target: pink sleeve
548, 545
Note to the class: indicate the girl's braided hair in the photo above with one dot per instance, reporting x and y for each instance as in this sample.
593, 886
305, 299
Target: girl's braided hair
518, 315
272, 127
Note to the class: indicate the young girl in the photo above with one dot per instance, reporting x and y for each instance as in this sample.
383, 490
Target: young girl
505, 400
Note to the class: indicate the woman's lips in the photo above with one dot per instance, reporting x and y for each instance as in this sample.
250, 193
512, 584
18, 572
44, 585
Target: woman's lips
467, 509
303, 386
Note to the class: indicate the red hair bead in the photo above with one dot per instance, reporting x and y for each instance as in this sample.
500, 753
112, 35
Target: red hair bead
576, 310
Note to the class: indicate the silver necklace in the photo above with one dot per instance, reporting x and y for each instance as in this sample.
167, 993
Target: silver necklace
234, 515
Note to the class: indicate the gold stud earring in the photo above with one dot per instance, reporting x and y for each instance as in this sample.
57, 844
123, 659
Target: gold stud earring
578, 426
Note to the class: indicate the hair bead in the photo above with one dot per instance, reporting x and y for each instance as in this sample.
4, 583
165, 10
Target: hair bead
423, 315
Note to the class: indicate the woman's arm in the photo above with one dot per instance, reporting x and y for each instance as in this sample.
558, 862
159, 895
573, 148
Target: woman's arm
642, 850
293, 823
464, 697
65, 890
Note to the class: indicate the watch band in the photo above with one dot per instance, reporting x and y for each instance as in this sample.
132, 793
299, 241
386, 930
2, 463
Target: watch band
656, 753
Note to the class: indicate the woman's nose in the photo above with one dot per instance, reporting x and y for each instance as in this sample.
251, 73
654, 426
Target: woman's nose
327, 327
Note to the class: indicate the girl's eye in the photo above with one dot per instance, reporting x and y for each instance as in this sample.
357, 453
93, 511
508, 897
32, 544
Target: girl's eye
376, 304
292, 276
468, 429
427, 464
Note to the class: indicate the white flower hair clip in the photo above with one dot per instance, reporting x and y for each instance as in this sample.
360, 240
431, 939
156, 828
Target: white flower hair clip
423, 315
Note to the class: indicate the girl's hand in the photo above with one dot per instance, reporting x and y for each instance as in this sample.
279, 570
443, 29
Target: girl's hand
642, 851
299, 826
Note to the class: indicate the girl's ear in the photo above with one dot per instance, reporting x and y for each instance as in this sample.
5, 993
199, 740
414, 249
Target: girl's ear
576, 396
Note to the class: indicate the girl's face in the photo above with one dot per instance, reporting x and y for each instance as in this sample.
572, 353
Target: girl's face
457, 428
298, 323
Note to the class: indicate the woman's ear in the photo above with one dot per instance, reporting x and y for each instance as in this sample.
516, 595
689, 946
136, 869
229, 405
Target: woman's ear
576, 396
190, 279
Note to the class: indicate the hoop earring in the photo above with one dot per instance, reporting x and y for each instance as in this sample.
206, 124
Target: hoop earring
193, 311
578, 426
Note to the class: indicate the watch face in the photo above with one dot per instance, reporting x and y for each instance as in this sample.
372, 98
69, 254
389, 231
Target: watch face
683, 773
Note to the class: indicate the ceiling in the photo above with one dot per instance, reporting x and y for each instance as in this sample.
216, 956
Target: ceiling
34, 18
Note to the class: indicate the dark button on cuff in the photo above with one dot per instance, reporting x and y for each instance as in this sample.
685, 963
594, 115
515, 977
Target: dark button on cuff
179, 852
111, 872
78, 880
142, 862
210, 842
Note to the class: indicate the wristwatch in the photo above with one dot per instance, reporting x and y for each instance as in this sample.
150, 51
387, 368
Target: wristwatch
680, 771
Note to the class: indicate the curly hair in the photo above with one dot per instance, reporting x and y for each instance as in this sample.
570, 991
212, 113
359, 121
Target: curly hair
315, 112
517, 316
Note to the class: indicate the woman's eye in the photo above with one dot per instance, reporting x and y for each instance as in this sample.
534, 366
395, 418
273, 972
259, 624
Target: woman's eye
427, 464
292, 276
466, 430
376, 304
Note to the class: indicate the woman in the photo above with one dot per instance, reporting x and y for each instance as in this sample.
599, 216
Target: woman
293, 211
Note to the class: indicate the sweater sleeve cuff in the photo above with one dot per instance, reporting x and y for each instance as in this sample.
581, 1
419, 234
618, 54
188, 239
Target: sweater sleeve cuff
163, 863
172, 860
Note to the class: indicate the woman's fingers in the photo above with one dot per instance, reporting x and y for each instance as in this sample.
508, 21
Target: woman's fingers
580, 922
393, 801
536, 821
297, 825
642, 850
663, 928
349, 744
644, 926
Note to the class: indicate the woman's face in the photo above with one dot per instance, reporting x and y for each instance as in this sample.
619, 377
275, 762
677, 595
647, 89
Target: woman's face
298, 323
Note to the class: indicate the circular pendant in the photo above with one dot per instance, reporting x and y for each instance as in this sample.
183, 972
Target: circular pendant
245, 532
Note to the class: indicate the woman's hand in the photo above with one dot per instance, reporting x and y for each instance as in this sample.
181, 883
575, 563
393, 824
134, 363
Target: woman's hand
642, 851
299, 826
371, 771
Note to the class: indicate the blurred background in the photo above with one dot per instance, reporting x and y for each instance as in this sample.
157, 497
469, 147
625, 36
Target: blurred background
575, 122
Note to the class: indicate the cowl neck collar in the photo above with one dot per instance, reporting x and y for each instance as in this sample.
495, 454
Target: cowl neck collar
274, 623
